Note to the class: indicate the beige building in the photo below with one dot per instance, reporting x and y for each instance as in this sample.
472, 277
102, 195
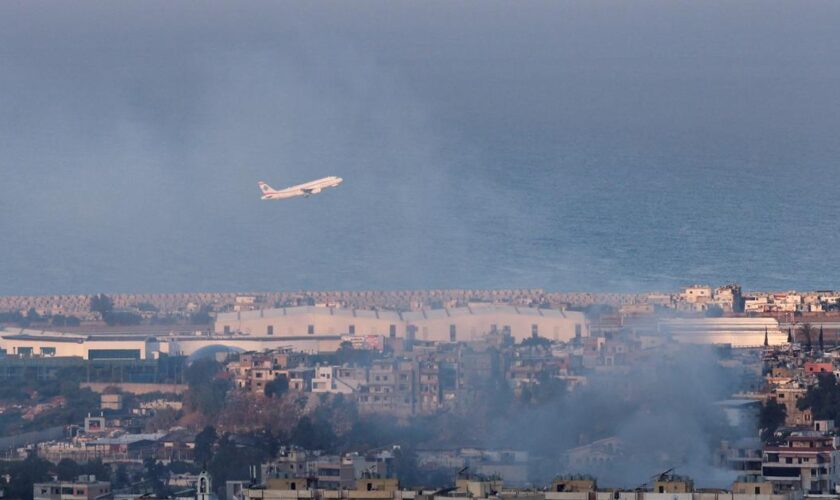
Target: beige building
84, 488
440, 325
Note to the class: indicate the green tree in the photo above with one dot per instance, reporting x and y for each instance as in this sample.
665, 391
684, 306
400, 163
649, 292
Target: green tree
207, 391
770, 417
204, 442
201, 317
101, 304
154, 473
536, 341
67, 470
805, 331
23, 475
121, 479
823, 399
277, 387
313, 434
233, 460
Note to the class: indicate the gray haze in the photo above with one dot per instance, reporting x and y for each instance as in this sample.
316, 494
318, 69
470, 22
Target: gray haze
601, 145
647, 409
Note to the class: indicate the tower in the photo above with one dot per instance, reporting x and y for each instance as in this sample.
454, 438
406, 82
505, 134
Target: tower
204, 487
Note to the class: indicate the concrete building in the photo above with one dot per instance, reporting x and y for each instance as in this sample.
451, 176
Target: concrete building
806, 461
339, 379
696, 294
390, 389
37, 343
84, 488
440, 325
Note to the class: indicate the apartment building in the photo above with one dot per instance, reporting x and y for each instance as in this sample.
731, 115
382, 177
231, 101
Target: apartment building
339, 379
391, 388
83, 488
806, 461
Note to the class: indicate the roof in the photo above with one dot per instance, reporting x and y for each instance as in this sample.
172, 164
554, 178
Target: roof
394, 315
128, 439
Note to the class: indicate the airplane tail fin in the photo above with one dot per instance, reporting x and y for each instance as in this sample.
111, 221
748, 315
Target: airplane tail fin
265, 188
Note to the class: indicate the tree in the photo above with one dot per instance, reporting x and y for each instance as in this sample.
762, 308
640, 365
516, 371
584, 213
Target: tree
207, 391
822, 345
121, 478
154, 474
770, 417
766, 340
805, 330
202, 316
67, 470
823, 399
277, 387
32, 316
23, 475
790, 336
101, 304
204, 442
233, 460
313, 434
536, 341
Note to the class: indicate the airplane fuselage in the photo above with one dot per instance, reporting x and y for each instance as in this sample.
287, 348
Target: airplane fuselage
305, 189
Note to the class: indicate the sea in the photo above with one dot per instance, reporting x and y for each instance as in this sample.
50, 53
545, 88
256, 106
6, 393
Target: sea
568, 147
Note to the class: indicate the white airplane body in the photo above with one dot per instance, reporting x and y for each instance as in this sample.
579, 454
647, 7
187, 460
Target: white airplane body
305, 189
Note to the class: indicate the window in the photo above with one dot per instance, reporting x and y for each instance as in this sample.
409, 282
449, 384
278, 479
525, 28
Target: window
94, 354
535, 330
25, 351
310, 329
578, 330
392, 331
269, 330
227, 330
351, 329
452, 333
757, 490
48, 351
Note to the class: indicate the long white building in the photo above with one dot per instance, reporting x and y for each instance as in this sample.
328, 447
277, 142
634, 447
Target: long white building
28, 343
441, 325
738, 332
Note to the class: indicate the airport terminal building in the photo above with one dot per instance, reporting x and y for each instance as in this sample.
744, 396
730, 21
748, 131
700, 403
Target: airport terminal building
438, 325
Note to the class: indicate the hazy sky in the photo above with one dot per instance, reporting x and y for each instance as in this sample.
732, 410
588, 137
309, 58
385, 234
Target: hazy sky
567, 145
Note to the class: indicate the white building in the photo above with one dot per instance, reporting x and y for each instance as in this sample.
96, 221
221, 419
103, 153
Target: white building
34, 343
441, 325
339, 379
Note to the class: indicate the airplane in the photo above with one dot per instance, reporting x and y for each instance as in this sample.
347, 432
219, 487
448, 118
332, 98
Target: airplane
306, 189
